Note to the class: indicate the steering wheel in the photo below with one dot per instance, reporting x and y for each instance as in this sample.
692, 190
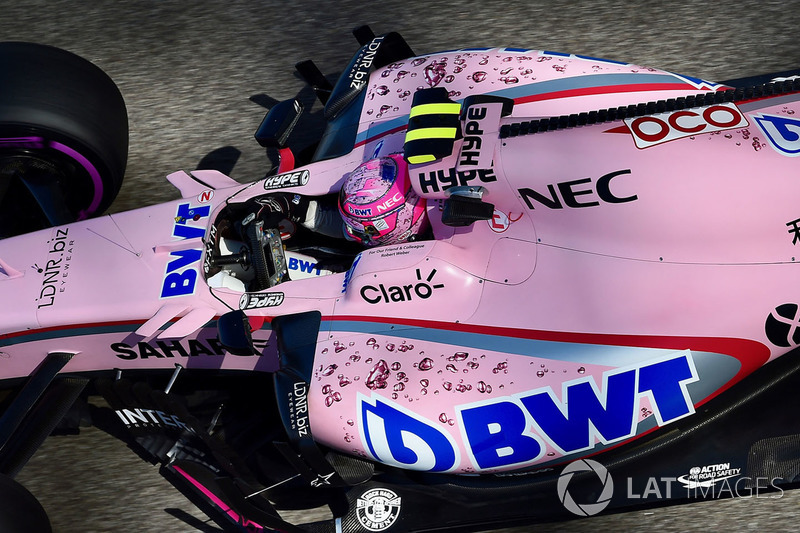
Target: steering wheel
270, 269
264, 253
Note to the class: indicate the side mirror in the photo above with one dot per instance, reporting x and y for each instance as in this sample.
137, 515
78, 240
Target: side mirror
278, 124
233, 330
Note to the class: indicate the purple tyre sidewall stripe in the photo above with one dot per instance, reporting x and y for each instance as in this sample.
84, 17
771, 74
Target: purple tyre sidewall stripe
40, 142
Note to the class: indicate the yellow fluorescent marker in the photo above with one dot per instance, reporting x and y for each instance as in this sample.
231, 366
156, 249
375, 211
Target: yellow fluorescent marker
435, 109
431, 133
419, 159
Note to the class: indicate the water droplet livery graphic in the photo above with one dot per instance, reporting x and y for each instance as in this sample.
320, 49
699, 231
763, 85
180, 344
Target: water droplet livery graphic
378, 375
434, 73
478, 76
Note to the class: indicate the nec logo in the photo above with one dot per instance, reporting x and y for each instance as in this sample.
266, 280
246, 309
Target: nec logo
577, 193
284, 181
391, 203
656, 129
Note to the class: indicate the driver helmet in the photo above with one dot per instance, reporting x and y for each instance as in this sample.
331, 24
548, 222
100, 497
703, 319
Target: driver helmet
378, 204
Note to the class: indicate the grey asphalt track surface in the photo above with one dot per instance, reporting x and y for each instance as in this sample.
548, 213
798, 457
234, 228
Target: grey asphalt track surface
195, 76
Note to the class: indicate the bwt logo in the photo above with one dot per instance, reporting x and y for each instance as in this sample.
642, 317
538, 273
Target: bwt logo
515, 431
359, 211
399, 437
180, 277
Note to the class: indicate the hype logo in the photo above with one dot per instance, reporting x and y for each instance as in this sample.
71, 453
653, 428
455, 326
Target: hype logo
398, 437
783, 133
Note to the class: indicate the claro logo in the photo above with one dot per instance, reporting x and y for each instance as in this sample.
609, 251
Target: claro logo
421, 290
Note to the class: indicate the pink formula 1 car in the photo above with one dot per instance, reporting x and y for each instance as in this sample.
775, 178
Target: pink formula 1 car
600, 315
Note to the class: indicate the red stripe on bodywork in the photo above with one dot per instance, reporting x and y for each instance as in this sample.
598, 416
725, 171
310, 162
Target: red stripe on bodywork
751, 354
608, 89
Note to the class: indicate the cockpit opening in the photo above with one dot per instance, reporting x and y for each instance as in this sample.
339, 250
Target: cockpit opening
246, 252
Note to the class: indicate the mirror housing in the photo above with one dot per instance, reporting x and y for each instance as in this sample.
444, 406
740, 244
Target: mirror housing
278, 124
233, 331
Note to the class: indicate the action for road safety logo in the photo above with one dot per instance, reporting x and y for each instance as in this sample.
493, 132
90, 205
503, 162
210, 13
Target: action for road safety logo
709, 475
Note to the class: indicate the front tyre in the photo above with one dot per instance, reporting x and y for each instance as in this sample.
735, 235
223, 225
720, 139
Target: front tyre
20, 512
63, 138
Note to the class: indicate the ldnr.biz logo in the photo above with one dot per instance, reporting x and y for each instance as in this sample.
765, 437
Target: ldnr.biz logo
585, 509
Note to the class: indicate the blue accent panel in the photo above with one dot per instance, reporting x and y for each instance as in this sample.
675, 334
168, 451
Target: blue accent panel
583, 82
559, 351
601, 60
88, 330
543, 87
697, 81
379, 129
72, 332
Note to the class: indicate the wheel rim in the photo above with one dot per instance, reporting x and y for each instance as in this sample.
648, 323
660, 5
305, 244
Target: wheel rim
45, 182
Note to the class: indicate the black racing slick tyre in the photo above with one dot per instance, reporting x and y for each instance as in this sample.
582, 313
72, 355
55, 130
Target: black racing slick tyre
63, 138
21, 512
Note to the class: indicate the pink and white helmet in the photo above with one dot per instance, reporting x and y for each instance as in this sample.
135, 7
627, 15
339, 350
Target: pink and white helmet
378, 204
